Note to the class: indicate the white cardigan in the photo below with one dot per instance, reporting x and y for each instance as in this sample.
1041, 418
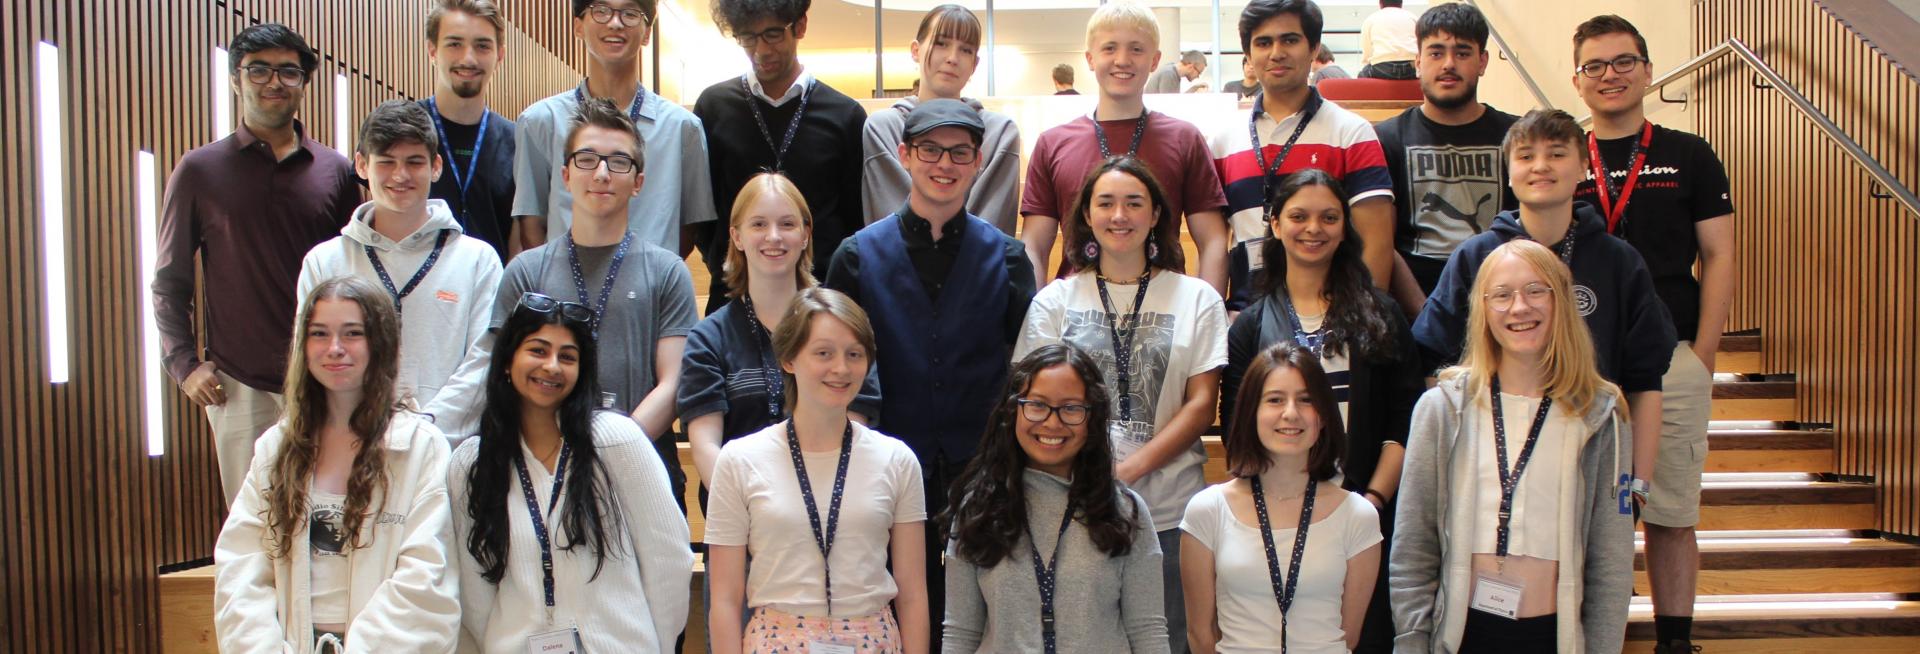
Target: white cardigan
402, 596
639, 601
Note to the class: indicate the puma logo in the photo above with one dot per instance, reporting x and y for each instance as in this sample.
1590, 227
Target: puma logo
1433, 203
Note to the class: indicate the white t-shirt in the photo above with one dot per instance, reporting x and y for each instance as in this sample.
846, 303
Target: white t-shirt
1182, 332
331, 551
1243, 588
754, 500
1535, 526
1339, 372
1388, 35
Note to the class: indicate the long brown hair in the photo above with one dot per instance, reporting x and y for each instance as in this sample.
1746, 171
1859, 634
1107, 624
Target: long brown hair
1246, 455
1567, 366
306, 400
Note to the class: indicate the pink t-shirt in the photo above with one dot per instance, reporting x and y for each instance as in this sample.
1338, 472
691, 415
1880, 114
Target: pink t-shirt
1173, 149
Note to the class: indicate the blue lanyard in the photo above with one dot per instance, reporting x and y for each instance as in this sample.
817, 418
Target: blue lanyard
473, 161
1283, 590
633, 113
439, 243
539, 524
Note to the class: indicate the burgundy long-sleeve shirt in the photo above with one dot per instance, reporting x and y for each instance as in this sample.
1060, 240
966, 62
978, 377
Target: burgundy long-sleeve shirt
251, 218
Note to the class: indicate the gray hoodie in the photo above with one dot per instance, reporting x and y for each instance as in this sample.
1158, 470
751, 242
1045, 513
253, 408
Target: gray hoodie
1430, 571
995, 197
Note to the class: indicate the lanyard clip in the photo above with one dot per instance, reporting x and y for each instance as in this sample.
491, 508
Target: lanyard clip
1046, 621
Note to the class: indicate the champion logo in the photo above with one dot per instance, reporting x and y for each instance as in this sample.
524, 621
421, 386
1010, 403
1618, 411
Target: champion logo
1585, 300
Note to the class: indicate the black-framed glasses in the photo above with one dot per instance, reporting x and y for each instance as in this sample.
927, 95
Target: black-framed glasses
962, 154
769, 36
1501, 298
542, 303
262, 73
1071, 415
604, 14
1622, 64
619, 164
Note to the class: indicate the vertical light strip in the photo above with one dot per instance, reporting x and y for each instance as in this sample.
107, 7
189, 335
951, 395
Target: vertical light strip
53, 209
342, 141
222, 95
146, 195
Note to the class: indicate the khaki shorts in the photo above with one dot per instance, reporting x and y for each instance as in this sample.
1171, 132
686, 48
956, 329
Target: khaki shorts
1686, 404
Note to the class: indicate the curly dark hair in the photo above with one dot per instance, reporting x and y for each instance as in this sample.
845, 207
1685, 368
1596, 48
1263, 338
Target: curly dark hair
1357, 317
733, 16
588, 509
990, 516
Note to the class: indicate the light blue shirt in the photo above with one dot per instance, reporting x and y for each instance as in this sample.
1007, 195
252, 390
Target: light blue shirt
678, 189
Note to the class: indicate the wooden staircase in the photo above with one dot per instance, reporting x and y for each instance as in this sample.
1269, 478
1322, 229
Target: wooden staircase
1788, 558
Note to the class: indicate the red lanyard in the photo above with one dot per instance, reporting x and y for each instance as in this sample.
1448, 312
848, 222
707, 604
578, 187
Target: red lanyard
1603, 185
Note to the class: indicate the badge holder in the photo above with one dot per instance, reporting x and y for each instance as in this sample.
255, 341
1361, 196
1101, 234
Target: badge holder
606, 400
1498, 593
817, 647
558, 641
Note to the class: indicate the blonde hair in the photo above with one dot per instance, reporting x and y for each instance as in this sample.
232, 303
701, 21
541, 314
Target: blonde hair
1568, 364
734, 270
1124, 14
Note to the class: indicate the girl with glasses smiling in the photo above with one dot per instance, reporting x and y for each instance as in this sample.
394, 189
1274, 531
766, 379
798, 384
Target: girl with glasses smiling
1064, 559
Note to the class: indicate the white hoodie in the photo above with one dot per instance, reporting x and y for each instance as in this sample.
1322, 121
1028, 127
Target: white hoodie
443, 361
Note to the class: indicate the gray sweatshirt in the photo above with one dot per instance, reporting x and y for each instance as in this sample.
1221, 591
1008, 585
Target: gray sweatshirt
1100, 604
1430, 573
995, 196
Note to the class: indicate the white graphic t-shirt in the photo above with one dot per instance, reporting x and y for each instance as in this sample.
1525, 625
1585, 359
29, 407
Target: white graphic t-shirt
1181, 332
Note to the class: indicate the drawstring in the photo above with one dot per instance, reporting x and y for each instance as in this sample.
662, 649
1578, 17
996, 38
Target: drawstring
319, 646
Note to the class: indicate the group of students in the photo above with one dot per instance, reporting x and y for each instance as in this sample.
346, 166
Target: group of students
906, 453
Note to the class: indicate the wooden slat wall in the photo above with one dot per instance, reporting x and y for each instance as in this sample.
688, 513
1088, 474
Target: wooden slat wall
89, 518
1832, 275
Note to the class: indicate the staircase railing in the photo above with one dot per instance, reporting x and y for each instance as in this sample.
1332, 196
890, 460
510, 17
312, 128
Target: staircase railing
1853, 149
1533, 87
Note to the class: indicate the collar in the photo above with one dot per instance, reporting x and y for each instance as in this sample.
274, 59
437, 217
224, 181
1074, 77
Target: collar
799, 86
918, 231
244, 138
1267, 119
648, 105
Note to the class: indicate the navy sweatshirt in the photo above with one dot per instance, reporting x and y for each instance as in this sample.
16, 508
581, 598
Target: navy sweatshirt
1633, 337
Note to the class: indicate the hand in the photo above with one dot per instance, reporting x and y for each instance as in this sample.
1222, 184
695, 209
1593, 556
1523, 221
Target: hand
203, 386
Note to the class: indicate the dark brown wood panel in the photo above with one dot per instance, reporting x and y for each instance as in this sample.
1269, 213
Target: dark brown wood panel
1829, 268
90, 517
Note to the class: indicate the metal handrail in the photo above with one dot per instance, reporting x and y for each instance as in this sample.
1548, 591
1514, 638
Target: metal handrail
1851, 147
1538, 95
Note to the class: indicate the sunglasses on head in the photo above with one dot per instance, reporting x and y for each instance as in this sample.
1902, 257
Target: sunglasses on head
541, 303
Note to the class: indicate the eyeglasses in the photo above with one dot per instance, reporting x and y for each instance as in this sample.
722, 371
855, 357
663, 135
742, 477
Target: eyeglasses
1622, 64
769, 36
1037, 411
589, 160
603, 14
545, 304
1501, 298
930, 153
262, 73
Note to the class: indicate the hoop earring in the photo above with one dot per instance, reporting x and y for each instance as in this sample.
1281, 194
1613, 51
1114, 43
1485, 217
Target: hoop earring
1092, 250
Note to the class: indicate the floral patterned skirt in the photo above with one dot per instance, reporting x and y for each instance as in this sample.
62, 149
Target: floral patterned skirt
774, 632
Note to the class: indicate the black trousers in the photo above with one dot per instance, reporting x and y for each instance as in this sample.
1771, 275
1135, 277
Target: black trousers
1493, 634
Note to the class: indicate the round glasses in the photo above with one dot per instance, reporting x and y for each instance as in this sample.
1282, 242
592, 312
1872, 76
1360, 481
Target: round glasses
1037, 411
603, 14
1501, 298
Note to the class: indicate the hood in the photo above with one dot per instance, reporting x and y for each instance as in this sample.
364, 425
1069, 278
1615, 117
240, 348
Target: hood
1587, 222
1455, 389
906, 105
439, 218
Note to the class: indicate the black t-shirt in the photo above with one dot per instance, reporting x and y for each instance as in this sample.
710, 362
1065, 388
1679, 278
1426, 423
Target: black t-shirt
1681, 184
1448, 183
486, 211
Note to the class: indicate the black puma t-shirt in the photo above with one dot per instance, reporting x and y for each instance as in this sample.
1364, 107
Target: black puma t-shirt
1681, 184
1448, 184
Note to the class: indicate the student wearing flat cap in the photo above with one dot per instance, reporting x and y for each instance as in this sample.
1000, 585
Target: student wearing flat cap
947, 293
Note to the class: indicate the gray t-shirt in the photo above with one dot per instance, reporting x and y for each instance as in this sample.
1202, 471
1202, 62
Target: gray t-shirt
651, 299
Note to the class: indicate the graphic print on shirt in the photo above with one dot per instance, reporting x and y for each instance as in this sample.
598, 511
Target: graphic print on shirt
1152, 348
1455, 191
327, 534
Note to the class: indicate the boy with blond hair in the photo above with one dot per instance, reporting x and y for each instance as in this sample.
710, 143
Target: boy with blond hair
1123, 48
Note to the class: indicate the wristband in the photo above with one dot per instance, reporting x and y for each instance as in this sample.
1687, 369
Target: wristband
1376, 495
1640, 487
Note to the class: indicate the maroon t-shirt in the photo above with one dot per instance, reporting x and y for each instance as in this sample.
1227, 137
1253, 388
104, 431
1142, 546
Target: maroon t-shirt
1172, 148
251, 219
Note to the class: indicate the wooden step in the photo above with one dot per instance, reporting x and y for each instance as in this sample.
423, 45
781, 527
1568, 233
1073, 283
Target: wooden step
1769, 450
1877, 623
1789, 562
1783, 501
1754, 400
1738, 353
186, 611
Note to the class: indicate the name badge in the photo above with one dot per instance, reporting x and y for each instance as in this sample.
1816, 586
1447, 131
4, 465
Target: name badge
817, 647
559, 641
606, 400
1498, 595
1256, 254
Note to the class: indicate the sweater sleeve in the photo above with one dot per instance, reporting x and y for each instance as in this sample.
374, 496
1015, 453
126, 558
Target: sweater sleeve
174, 272
1607, 582
1243, 342
1413, 571
477, 595
455, 409
1648, 346
659, 532
703, 376
417, 608
999, 182
245, 609
887, 181
1142, 604
1404, 379
1443, 323
966, 619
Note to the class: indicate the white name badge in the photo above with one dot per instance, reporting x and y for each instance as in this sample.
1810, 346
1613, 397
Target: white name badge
606, 400
817, 647
1256, 254
559, 641
1498, 595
